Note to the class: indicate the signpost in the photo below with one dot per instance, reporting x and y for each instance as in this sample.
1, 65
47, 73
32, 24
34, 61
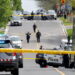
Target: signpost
63, 1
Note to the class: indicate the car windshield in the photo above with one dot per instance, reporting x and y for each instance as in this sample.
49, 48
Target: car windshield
16, 18
15, 39
52, 12
5, 45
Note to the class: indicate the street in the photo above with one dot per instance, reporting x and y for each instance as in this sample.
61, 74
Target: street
37, 26
52, 33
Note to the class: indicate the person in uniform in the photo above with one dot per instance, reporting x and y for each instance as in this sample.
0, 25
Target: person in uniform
34, 28
32, 15
28, 37
38, 35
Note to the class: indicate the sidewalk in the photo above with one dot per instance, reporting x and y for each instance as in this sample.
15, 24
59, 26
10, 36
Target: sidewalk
69, 27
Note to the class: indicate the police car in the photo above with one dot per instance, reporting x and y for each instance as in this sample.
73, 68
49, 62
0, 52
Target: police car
66, 45
10, 61
16, 21
4, 36
16, 40
49, 59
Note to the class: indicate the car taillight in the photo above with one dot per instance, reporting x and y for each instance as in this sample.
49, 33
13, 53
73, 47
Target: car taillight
7, 60
14, 56
1, 59
10, 59
37, 55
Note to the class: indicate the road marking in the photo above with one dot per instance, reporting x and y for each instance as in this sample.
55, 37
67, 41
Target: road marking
29, 58
61, 73
6, 30
63, 28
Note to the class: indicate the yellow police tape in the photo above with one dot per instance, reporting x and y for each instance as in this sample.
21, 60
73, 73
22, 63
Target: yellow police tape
37, 51
30, 15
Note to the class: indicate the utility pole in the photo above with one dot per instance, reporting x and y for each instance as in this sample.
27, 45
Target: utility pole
73, 42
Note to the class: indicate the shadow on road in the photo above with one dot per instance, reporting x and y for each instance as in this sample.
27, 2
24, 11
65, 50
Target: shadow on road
5, 74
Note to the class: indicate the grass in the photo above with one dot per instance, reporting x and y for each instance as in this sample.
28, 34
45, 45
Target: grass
1, 32
69, 32
66, 22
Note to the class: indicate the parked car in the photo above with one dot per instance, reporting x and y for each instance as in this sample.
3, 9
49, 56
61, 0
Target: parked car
16, 40
16, 21
66, 45
19, 56
52, 14
8, 61
49, 59
26, 14
4, 36
18, 13
40, 11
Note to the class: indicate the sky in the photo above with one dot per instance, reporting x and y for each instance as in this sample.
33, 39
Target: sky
30, 5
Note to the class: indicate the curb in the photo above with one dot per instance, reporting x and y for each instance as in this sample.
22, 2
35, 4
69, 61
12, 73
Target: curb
63, 27
7, 28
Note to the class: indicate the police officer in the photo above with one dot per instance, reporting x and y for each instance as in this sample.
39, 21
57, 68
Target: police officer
28, 36
68, 38
32, 15
41, 47
42, 17
34, 28
66, 60
38, 35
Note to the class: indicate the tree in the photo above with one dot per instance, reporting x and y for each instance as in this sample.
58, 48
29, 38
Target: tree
17, 5
5, 12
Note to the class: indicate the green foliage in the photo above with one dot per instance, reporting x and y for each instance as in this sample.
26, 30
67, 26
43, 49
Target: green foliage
73, 3
17, 5
5, 12
69, 32
6, 7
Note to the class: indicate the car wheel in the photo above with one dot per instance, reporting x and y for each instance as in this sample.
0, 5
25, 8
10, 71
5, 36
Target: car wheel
55, 18
21, 65
20, 24
43, 64
15, 72
72, 65
56, 66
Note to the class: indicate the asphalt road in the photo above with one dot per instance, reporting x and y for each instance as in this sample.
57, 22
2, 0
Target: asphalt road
52, 33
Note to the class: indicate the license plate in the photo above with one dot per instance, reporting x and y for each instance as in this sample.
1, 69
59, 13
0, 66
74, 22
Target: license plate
51, 59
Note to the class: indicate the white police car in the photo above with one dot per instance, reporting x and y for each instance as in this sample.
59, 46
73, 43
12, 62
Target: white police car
64, 44
16, 40
4, 37
49, 59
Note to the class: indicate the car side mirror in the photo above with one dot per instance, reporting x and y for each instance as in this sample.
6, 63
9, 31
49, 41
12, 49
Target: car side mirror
21, 18
16, 46
21, 40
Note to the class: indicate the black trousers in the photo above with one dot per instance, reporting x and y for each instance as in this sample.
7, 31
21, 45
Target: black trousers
38, 39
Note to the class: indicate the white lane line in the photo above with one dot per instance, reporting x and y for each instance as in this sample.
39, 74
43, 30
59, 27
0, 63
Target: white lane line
6, 30
61, 73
